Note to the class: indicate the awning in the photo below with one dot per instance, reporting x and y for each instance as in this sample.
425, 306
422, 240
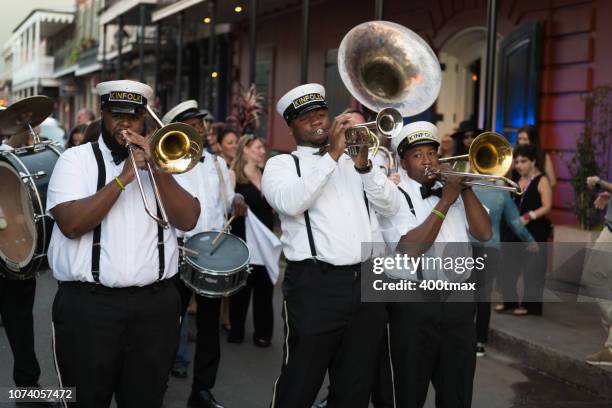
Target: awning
173, 8
88, 69
122, 8
64, 71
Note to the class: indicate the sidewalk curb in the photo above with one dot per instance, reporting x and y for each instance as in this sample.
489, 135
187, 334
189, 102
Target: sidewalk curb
568, 368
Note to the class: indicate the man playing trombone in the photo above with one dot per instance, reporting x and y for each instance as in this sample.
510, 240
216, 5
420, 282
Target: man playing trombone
431, 339
116, 311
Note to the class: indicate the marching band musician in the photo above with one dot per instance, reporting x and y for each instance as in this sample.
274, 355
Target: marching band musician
210, 182
116, 311
327, 206
430, 339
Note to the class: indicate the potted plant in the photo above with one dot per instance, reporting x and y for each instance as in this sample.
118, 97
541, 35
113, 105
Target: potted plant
591, 156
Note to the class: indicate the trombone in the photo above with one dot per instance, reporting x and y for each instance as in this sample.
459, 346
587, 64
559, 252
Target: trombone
175, 148
490, 156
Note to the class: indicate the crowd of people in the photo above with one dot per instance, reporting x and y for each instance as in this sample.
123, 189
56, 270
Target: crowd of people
328, 204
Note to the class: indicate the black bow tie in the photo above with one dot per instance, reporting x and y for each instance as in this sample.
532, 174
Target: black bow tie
427, 191
120, 156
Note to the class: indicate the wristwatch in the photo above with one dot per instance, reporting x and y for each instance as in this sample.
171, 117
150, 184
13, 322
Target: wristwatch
366, 169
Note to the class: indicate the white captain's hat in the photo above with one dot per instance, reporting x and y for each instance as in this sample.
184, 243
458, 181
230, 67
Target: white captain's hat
124, 96
414, 134
300, 100
186, 110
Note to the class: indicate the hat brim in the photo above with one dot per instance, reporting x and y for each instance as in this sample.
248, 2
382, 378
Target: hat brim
192, 115
128, 109
403, 147
310, 108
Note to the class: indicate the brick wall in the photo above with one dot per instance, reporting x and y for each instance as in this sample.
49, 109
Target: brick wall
577, 55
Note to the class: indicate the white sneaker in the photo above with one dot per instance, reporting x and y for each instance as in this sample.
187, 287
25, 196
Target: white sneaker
603, 357
480, 350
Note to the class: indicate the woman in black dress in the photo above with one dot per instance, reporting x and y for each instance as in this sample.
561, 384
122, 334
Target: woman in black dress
247, 166
534, 205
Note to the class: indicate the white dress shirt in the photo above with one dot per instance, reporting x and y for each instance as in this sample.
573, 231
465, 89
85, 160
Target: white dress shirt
203, 182
128, 244
332, 192
454, 227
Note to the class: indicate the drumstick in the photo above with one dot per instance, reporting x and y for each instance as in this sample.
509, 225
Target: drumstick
214, 241
189, 251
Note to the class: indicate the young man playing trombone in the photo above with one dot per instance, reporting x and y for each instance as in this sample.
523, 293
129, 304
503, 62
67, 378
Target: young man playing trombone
116, 311
432, 339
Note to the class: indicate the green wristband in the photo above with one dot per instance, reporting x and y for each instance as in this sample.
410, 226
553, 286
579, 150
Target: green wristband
439, 214
119, 183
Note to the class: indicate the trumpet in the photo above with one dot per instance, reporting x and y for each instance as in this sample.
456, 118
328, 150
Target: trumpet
490, 156
175, 148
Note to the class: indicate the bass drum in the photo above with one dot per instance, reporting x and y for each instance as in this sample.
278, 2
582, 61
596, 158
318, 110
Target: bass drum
215, 270
25, 230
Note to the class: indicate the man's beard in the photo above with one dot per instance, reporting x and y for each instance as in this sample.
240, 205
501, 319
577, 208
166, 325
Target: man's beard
112, 143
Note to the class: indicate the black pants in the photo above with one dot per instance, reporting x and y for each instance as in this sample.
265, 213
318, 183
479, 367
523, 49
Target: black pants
382, 390
16, 303
433, 342
327, 328
116, 341
261, 286
485, 280
533, 267
208, 350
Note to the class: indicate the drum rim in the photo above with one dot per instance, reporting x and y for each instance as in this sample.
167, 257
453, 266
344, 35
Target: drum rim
218, 272
37, 256
213, 294
32, 256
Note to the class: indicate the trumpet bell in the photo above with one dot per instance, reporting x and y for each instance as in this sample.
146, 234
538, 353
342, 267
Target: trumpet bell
383, 64
389, 122
490, 154
176, 148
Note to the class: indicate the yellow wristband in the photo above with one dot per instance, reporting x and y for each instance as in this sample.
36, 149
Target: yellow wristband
119, 183
440, 214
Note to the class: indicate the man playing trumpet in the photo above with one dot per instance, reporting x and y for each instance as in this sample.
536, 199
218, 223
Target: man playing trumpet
326, 204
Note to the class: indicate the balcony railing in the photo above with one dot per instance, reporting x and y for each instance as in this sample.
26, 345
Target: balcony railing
33, 70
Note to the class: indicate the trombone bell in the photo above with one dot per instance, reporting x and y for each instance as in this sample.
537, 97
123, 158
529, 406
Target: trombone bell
175, 148
490, 158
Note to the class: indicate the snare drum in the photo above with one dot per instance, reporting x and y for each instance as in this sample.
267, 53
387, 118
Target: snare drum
25, 230
216, 270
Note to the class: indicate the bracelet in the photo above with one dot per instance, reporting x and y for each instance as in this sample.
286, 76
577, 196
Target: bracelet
439, 214
364, 170
526, 217
532, 215
119, 183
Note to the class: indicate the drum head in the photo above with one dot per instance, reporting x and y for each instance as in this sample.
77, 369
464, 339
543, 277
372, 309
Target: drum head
229, 254
17, 226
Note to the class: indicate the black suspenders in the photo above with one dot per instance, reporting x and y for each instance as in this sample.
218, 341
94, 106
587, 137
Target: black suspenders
407, 199
95, 249
420, 270
313, 251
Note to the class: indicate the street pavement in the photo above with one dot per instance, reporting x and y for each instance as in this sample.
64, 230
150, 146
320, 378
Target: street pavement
247, 373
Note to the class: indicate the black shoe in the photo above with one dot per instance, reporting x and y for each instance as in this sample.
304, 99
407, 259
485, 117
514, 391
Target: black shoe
480, 350
234, 339
262, 342
179, 372
322, 404
203, 399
